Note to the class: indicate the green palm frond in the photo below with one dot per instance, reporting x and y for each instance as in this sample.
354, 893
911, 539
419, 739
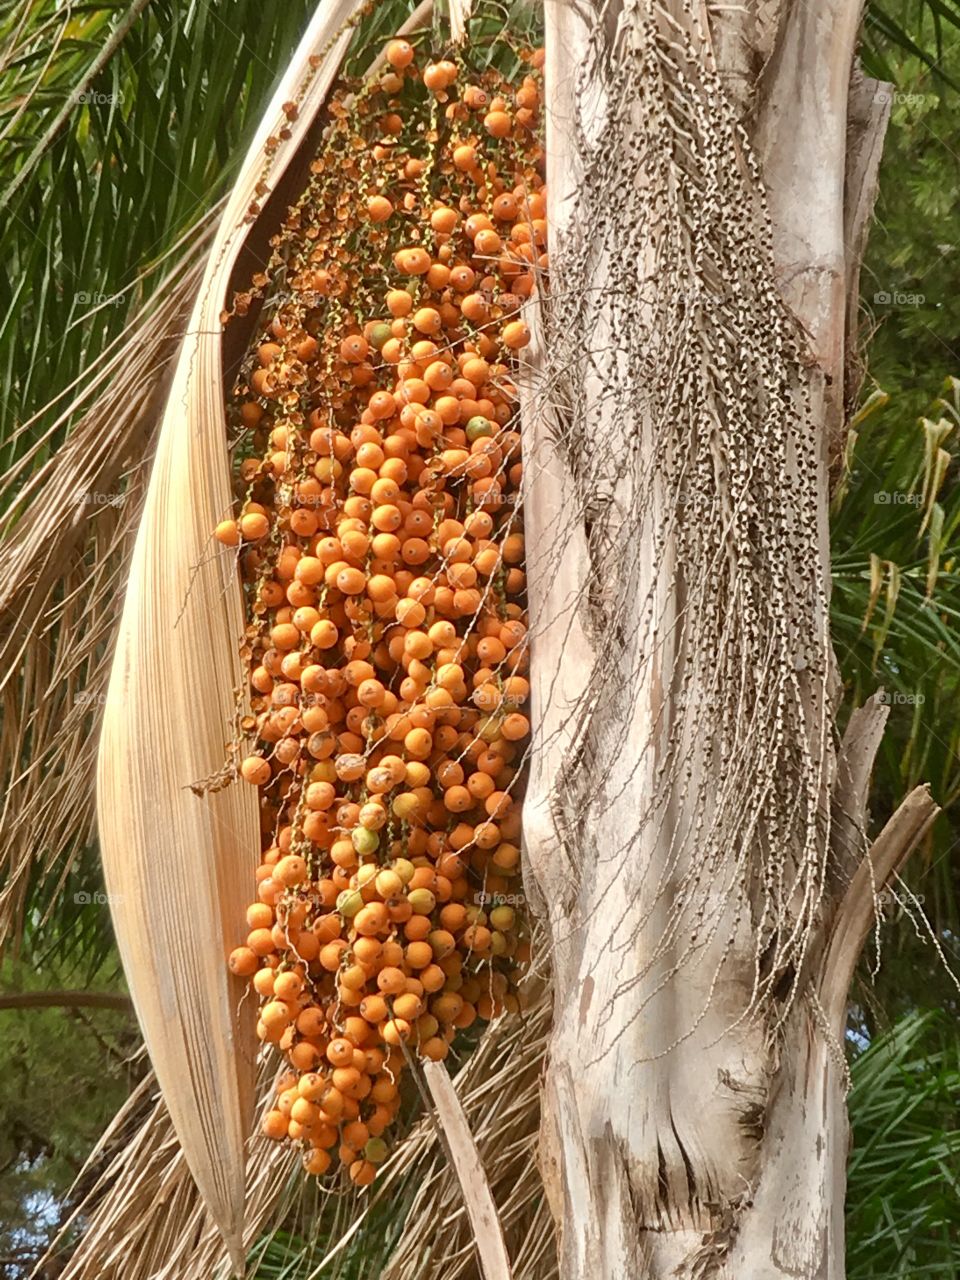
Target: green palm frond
120, 127
922, 29
903, 1206
296, 1252
896, 603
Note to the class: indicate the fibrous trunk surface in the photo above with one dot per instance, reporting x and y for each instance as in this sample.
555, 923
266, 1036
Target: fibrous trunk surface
690, 836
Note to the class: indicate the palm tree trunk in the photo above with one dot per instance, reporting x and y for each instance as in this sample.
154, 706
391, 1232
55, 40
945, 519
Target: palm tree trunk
695, 838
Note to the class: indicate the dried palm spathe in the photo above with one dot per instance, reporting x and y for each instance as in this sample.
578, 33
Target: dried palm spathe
178, 856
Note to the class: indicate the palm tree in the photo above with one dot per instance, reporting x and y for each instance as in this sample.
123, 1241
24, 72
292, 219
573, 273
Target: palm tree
622, 474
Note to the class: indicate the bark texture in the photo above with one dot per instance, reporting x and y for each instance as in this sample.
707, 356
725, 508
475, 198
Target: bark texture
694, 833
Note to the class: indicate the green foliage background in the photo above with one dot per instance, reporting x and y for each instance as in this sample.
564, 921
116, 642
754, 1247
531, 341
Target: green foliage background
896, 512
64, 1074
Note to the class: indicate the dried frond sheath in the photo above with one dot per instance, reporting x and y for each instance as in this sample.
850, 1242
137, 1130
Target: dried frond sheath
176, 863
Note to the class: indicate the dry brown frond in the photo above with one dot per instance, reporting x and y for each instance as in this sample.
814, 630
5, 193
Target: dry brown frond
141, 1218
137, 1209
69, 511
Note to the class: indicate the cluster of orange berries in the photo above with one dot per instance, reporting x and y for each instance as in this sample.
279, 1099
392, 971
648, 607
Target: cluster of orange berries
381, 547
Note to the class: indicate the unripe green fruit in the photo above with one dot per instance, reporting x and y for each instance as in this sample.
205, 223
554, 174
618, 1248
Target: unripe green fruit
489, 729
478, 428
365, 841
422, 901
375, 1150
349, 903
503, 918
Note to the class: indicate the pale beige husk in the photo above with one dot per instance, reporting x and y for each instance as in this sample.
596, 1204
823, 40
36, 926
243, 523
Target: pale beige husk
179, 865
